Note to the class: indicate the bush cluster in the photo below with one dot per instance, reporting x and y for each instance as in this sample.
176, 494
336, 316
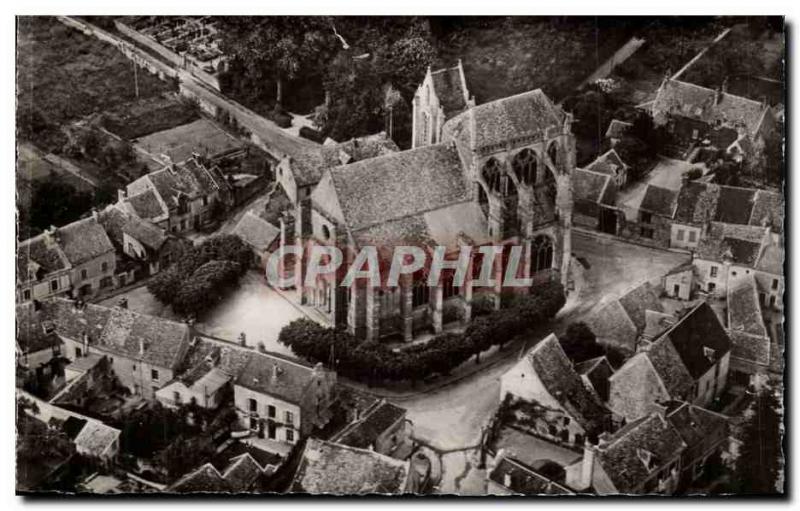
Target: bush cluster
202, 275
373, 361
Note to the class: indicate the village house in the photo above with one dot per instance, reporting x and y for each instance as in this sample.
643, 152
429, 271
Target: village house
595, 373
595, 195
610, 163
621, 322
77, 259
679, 282
500, 172
651, 223
260, 235
689, 361
641, 458
382, 428
568, 411
282, 399
328, 468
693, 115
508, 476
299, 174
181, 197
616, 131
237, 468
144, 350
36, 340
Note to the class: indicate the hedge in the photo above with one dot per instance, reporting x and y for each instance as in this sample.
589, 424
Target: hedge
372, 361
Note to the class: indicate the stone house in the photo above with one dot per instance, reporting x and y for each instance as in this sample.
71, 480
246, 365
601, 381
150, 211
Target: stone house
546, 379
651, 223
36, 340
501, 174
328, 468
382, 428
181, 197
610, 163
752, 349
42, 268
261, 236
283, 399
144, 351
693, 114
679, 282
644, 457
594, 194
621, 322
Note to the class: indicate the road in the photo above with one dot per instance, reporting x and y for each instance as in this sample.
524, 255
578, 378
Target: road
449, 419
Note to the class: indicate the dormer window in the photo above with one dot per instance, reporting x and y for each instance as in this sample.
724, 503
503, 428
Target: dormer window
709, 353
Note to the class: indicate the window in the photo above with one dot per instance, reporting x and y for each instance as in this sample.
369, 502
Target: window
566, 421
646, 232
541, 254
692, 236
176, 397
762, 298
326, 232
106, 282
103, 267
680, 235
773, 300
645, 217
78, 353
733, 274
290, 435
695, 134
154, 374
183, 225
774, 283
205, 201
711, 287
271, 411
524, 165
713, 272
26, 294
54, 285
253, 424
84, 274
289, 418
676, 290
252, 405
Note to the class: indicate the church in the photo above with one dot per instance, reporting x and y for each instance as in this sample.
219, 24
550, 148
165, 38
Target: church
497, 173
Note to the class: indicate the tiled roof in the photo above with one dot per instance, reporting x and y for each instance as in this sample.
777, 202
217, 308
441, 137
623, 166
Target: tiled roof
768, 210
95, 438
744, 311
667, 363
72, 322
265, 459
752, 348
656, 323
524, 481
400, 184
617, 128
522, 115
113, 219
771, 258
145, 233
365, 432
695, 333
46, 255
589, 185
621, 458
277, 376
202, 480
204, 353
659, 201
146, 205
190, 178
608, 163
700, 103
695, 425
740, 243
638, 300
242, 473
697, 202
308, 167
450, 89
559, 378
734, 205
329, 468
612, 324
256, 232
31, 335
596, 371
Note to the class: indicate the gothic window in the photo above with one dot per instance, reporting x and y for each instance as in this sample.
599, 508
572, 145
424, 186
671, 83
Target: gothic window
421, 293
552, 153
542, 254
524, 165
492, 173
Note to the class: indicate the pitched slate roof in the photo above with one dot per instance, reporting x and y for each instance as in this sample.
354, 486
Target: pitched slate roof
190, 178
113, 219
400, 184
522, 480
524, 115
768, 209
309, 166
740, 243
205, 353
656, 323
744, 311
277, 376
621, 457
95, 438
751, 348
596, 371
693, 334
697, 202
31, 334
450, 89
659, 201
145, 233
554, 369
201, 480
365, 431
146, 205
617, 128
242, 473
225, 458
329, 468
590, 185
734, 205
771, 258
640, 299
668, 365
72, 322
43, 253
608, 163
256, 232
613, 325
695, 425
700, 103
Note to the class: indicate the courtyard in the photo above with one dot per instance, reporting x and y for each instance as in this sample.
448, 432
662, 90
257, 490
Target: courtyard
667, 173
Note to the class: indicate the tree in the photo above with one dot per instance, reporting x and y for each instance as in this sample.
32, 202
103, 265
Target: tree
206, 287
185, 454
56, 202
759, 467
580, 343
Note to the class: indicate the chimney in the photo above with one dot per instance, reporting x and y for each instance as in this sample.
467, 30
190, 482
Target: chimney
121, 195
85, 344
141, 347
94, 213
507, 480
724, 86
275, 371
603, 439
717, 95
657, 407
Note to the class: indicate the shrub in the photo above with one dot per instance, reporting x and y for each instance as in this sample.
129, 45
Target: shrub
369, 361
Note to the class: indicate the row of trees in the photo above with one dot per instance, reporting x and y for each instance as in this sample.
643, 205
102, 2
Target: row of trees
372, 361
202, 275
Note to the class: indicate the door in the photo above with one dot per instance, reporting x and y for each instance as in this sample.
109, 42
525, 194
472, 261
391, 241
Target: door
677, 290
271, 430
608, 221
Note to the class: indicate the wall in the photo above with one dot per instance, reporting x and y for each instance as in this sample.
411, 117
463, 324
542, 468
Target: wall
679, 231
42, 289
684, 280
95, 274
242, 398
712, 384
